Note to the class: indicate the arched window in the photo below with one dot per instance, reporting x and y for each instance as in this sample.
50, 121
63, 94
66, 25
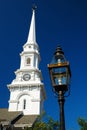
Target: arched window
28, 61
24, 104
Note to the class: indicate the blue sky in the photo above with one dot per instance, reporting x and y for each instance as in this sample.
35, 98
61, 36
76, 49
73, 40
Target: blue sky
58, 22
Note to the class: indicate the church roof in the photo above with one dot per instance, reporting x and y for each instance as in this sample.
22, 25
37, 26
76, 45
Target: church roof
16, 118
27, 120
5, 115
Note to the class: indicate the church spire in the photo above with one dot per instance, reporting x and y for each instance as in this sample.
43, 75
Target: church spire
32, 33
28, 77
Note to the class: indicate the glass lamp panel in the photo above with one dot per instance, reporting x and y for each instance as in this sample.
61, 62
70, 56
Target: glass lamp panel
60, 76
60, 79
58, 59
59, 70
68, 78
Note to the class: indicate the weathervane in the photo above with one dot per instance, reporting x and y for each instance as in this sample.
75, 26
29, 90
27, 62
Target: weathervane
34, 7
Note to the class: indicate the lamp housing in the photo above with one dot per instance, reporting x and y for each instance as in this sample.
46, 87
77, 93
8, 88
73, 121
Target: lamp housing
59, 70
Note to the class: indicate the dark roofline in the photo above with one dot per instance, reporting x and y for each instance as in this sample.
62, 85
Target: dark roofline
16, 118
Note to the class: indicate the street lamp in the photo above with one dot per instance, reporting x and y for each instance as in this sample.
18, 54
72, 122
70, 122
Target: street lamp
60, 75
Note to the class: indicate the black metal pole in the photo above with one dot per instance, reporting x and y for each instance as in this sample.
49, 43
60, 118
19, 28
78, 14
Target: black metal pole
61, 101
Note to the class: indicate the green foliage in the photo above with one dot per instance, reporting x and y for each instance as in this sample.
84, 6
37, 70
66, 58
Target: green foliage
83, 123
44, 122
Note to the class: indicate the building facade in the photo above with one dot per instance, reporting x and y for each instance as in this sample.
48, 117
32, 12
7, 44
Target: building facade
27, 93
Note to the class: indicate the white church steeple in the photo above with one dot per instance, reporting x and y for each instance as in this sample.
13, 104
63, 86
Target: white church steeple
27, 92
32, 33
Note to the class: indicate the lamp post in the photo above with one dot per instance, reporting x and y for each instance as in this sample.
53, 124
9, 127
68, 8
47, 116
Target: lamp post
60, 74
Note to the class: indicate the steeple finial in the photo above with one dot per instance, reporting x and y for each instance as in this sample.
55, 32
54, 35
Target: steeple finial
32, 33
34, 7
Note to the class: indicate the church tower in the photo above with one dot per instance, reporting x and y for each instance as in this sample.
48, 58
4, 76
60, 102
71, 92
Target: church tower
27, 93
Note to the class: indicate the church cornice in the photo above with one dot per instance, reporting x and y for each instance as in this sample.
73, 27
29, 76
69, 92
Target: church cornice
27, 70
23, 85
29, 52
32, 43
